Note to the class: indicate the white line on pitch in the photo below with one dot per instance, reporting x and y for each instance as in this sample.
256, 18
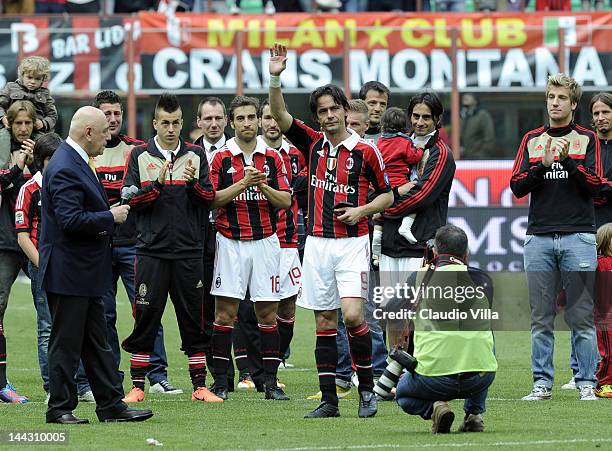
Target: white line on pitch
445, 445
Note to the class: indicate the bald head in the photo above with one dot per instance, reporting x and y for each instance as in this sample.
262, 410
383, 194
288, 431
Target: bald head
89, 129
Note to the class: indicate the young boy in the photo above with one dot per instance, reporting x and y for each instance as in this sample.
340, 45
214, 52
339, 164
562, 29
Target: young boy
400, 156
33, 72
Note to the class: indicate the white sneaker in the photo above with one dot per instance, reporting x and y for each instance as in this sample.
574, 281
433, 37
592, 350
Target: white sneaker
355, 380
165, 388
571, 385
87, 397
285, 366
587, 393
539, 393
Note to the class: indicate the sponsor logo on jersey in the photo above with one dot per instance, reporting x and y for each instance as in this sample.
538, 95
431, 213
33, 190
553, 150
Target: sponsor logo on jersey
331, 185
19, 218
251, 193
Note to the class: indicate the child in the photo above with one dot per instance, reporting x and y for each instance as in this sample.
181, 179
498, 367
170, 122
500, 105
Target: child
603, 310
33, 72
400, 157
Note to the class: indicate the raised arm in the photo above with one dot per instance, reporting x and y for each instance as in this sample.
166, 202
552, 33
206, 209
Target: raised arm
277, 64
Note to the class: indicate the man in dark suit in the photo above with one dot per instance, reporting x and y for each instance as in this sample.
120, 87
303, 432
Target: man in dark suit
76, 232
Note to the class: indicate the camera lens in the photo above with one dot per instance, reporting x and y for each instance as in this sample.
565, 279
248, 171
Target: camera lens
389, 379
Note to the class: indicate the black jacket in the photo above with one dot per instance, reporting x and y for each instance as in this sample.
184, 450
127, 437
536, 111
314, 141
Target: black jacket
428, 199
170, 218
561, 195
603, 203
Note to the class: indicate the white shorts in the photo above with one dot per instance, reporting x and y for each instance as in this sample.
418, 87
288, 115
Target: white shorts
395, 271
290, 273
247, 264
334, 268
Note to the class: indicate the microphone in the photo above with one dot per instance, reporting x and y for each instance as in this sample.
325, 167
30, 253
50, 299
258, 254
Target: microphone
127, 192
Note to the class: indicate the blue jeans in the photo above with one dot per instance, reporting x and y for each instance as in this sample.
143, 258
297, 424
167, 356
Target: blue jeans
43, 321
416, 394
570, 259
123, 266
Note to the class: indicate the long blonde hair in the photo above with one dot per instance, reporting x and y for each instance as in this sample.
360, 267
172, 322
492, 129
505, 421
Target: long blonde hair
604, 240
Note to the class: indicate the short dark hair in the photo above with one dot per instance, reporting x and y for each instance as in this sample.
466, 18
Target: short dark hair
107, 96
373, 86
45, 146
450, 239
603, 97
168, 103
432, 101
328, 90
262, 105
240, 101
213, 101
394, 120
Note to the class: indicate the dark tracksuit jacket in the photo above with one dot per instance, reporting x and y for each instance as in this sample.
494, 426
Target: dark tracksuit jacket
428, 199
562, 195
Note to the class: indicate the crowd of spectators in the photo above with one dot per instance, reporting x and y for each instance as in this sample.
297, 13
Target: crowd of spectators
273, 6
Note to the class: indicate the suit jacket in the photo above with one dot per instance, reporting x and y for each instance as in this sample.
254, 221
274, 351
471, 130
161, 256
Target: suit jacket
75, 252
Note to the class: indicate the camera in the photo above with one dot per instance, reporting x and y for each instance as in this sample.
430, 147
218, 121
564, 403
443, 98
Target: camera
398, 361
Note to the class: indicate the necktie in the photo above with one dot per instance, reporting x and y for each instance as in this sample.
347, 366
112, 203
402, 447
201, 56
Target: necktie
92, 166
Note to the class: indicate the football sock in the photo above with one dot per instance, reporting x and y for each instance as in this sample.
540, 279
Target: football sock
139, 367
285, 330
326, 356
197, 369
360, 344
240, 352
269, 352
222, 349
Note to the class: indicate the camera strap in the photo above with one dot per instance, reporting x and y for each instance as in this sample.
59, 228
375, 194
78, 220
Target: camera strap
431, 269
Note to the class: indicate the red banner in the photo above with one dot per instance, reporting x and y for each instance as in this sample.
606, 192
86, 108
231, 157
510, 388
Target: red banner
408, 52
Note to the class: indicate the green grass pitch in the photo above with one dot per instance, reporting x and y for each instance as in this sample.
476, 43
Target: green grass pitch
247, 421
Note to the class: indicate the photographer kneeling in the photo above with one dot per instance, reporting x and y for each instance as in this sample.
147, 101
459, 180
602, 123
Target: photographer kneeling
453, 342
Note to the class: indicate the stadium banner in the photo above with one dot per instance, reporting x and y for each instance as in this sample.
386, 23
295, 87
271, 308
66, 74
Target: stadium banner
482, 204
495, 236
409, 51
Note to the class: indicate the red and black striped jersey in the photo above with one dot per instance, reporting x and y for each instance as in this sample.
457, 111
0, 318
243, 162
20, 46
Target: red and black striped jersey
287, 219
27, 208
249, 216
562, 194
341, 174
110, 166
